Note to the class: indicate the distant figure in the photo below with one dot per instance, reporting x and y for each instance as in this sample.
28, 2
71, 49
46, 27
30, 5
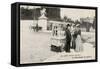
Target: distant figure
36, 27
68, 38
78, 40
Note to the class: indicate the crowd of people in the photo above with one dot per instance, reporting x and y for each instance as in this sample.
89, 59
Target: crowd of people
73, 38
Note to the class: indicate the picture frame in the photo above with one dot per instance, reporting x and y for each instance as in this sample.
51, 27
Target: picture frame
24, 53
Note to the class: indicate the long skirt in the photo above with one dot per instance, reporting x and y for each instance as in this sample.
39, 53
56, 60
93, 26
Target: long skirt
79, 47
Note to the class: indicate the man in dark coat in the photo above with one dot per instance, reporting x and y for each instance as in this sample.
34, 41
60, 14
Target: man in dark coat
74, 36
68, 38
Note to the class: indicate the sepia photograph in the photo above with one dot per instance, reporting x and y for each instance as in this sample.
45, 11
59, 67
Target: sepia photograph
56, 34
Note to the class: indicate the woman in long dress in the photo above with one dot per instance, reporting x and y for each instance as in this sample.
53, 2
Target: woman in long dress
79, 47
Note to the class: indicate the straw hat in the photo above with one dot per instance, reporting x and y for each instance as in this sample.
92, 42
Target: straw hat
77, 25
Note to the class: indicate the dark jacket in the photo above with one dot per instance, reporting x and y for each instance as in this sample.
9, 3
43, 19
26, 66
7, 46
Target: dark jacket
76, 33
68, 35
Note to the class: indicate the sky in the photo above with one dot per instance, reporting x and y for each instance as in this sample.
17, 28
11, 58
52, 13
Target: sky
77, 13
30, 7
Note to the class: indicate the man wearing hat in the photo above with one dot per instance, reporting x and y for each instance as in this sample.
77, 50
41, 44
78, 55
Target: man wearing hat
74, 35
68, 38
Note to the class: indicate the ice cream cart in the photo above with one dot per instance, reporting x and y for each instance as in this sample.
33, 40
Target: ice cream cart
58, 37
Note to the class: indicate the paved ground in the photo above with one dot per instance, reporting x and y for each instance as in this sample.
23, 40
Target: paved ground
35, 47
